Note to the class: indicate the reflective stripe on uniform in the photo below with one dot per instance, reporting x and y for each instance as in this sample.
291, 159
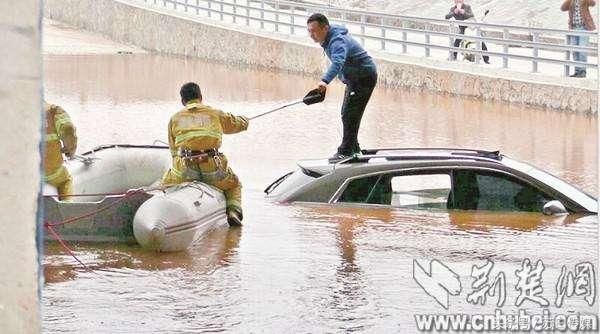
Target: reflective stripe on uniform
177, 172
51, 136
193, 104
197, 133
54, 176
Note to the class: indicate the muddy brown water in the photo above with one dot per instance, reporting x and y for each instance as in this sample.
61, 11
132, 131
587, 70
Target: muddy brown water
306, 268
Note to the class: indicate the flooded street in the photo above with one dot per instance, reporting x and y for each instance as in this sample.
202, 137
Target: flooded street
306, 268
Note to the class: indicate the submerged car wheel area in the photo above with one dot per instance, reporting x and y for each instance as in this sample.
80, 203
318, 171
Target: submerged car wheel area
447, 179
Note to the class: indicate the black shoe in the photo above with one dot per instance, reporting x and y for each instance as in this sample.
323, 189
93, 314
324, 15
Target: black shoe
338, 157
234, 218
578, 74
487, 61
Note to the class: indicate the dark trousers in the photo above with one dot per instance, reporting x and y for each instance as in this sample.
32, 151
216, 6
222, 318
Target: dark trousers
458, 40
356, 97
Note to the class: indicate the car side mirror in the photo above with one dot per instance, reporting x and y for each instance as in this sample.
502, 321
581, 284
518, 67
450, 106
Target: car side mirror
554, 208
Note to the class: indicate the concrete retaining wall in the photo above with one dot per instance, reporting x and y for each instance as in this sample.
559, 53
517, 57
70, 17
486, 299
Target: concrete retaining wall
20, 132
178, 33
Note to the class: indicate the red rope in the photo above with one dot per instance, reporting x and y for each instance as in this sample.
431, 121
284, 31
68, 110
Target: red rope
87, 195
128, 194
50, 226
99, 194
64, 245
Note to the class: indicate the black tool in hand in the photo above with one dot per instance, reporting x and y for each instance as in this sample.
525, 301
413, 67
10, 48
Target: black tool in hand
314, 96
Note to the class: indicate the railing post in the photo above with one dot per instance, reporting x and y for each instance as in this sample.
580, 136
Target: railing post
404, 38
362, 29
247, 12
277, 16
164, 3
185, 6
450, 41
427, 48
175, 5
262, 14
534, 64
478, 56
567, 57
292, 20
197, 7
505, 36
209, 8
234, 11
221, 10
382, 34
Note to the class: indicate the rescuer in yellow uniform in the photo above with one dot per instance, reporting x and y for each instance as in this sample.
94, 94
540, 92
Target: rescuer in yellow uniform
60, 138
194, 139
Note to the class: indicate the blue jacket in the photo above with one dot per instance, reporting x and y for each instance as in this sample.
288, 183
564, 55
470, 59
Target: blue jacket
349, 61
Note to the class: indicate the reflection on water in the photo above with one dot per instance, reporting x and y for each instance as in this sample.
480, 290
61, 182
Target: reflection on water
304, 268
213, 252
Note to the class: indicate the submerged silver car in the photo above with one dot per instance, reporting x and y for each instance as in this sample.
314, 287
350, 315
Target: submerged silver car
434, 178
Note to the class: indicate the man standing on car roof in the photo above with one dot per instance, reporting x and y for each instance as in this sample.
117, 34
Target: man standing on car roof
354, 67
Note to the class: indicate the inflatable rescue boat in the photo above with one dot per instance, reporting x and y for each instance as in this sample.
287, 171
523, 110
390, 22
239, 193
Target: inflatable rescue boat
118, 200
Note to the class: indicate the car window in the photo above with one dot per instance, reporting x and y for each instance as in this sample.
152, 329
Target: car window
481, 190
416, 191
371, 190
422, 191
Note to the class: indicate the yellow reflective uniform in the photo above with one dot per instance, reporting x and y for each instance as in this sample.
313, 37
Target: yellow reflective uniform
59, 129
199, 128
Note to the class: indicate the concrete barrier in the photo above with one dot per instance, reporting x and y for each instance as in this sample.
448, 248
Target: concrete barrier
178, 33
20, 133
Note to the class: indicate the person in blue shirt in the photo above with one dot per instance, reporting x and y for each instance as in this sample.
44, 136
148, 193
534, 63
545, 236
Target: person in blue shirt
354, 67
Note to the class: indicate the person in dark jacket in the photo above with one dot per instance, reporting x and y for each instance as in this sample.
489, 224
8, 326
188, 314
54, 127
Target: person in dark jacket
354, 67
460, 12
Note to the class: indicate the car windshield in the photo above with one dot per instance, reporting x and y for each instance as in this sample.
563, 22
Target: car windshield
581, 197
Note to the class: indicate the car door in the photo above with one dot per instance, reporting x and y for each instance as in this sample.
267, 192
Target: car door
447, 188
487, 190
423, 189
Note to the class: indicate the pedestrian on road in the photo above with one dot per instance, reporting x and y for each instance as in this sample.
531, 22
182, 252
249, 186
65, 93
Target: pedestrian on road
461, 12
354, 67
579, 19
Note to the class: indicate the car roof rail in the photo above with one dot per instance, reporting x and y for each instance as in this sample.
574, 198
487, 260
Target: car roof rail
451, 154
453, 151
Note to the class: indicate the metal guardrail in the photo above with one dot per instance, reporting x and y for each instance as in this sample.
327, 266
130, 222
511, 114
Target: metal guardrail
390, 33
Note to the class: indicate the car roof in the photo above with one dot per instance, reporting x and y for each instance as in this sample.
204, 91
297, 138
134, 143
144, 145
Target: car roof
395, 155
387, 158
